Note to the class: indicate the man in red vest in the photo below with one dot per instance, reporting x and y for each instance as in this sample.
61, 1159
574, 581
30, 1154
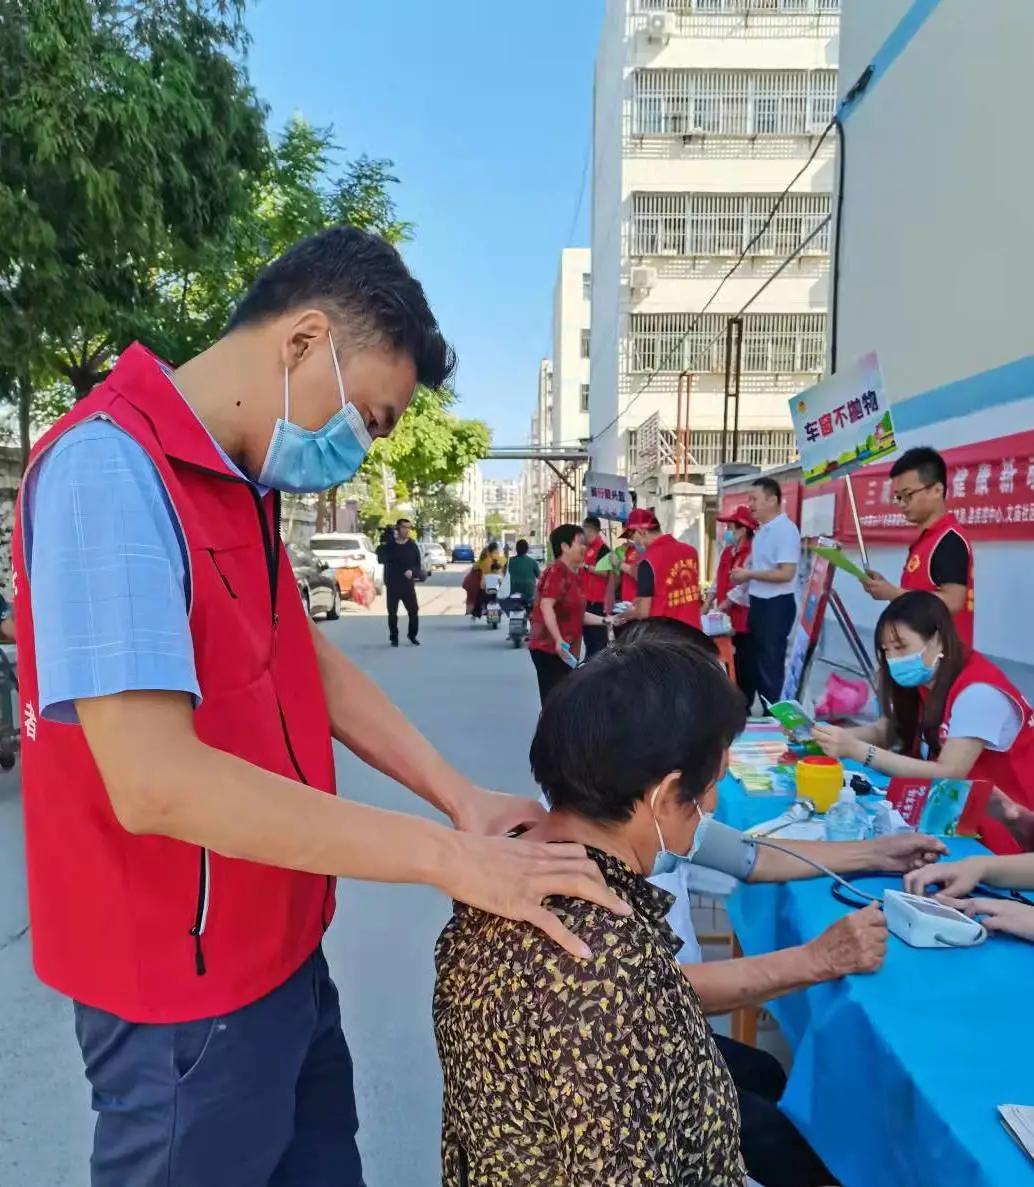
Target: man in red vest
183, 833
940, 560
668, 577
594, 584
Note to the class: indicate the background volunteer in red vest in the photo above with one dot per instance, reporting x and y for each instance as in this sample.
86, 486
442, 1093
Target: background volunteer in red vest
179, 710
559, 617
771, 582
668, 576
732, 599
948, 713
940, 559
594, 583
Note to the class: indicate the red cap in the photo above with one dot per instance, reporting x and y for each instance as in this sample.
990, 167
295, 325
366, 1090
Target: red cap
641, 519
741, 516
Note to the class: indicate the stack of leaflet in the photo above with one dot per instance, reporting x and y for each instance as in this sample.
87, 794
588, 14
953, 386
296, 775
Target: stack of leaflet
755, 754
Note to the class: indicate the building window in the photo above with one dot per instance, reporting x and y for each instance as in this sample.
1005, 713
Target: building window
584, 351
683, 224
773, 343
584, 398
739, 5
586, 286
732, 102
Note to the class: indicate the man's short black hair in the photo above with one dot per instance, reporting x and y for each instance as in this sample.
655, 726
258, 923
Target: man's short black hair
667, 630
770, 487
359, 279
926, 462
592, 521
613, 729
566, 533
522, 547
403, 520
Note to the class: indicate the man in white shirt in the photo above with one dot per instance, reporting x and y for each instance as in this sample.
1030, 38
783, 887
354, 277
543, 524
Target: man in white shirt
771, 581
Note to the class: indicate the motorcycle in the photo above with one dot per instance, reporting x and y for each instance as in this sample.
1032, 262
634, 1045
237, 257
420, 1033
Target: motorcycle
516, 608
493, 611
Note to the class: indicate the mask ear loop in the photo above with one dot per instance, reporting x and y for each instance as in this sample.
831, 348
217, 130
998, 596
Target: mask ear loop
660, 835
287, 397
337, 369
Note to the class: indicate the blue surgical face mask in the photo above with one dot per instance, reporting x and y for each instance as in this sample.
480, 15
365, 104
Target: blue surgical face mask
728, 536
667, 862
911, 671
306, 461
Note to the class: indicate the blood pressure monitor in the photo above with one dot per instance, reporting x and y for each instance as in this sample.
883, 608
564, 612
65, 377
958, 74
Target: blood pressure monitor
924, 923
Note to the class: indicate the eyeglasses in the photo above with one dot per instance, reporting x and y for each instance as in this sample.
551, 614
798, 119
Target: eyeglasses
904, 497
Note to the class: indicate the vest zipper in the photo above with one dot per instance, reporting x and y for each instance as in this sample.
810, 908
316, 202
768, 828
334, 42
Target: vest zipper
201, 912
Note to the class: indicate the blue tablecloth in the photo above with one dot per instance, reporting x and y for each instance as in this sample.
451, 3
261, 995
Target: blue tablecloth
897, 1076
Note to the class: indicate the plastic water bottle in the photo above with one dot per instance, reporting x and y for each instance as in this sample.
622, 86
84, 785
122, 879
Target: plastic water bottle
847, 820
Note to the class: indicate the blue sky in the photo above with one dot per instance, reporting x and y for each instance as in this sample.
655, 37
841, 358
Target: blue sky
486, 110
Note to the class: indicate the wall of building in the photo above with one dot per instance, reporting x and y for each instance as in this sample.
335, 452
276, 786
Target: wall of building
10, 477
936, 259
644, 164
571, 317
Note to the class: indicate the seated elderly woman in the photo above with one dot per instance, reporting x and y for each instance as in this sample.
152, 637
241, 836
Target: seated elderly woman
601, 1071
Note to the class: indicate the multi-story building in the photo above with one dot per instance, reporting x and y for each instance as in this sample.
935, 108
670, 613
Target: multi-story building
502, 498
536, 476
571, 347
705, 110
470, 490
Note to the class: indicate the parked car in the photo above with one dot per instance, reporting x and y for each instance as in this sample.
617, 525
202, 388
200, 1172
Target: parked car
317, 584
341, 549
433, 556
463, 554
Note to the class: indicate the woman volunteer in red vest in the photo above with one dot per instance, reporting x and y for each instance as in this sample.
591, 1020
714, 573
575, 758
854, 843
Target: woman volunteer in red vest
594, 584
948, 713
668, 576
183, 835
940, 559
736, 555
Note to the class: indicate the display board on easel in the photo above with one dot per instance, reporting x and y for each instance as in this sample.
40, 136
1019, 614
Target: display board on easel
842, 424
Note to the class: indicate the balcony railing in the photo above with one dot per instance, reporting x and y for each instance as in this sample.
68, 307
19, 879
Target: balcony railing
773, 343
691, 224
653, 448
740, 18
732, 102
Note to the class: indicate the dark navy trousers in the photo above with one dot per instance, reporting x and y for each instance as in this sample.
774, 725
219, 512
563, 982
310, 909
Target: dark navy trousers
262, 1097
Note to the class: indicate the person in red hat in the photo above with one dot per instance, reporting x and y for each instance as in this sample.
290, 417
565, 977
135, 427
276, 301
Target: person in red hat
738, 538
668, 576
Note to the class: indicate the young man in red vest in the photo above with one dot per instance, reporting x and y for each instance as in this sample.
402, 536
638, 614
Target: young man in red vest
183, 834
668, 577
940, 560
594, 584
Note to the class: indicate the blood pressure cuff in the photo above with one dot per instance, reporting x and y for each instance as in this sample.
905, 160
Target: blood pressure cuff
716, 846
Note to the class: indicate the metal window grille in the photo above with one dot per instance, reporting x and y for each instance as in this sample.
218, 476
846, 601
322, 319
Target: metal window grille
732, 102
689, 224
584, 344
773, 343
739, 6
584, 397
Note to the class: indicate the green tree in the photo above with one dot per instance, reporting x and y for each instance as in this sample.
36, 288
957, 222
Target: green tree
441, 510
128, 135
494, 525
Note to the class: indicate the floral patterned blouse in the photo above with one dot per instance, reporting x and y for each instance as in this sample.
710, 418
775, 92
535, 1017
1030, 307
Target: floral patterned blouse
599, 1073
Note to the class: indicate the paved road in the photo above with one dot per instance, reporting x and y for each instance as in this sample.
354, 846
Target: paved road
475, 697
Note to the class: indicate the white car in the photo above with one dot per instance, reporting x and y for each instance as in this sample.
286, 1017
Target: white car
349, 549
433, 556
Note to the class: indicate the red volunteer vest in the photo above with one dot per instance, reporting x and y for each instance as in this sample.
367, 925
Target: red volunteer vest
628, 584
917, 574
1011, 770
594, 587
147, 928
676, 580
733, 557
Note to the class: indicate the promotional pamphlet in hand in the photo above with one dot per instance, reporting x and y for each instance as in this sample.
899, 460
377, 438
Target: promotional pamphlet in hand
841, 561
941, 807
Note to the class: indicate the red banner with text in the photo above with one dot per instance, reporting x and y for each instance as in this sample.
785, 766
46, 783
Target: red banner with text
990, 490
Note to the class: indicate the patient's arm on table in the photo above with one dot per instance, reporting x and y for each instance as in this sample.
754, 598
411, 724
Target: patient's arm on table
897, 854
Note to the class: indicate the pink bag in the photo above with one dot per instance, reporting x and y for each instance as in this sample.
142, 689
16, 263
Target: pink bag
364, 591
842, 697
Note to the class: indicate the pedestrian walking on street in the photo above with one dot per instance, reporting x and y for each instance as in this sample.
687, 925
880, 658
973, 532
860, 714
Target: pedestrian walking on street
402, 566
771, 582
183, 834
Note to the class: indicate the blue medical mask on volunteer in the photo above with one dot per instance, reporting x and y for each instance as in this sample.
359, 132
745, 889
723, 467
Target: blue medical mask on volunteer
912, 671
306, 461
667, 862
728, 536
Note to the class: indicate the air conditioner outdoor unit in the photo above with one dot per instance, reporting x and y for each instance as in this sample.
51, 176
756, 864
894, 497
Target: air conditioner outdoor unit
643, 279
660, 27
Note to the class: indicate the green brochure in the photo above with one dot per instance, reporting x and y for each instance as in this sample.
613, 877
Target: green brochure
840, 561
